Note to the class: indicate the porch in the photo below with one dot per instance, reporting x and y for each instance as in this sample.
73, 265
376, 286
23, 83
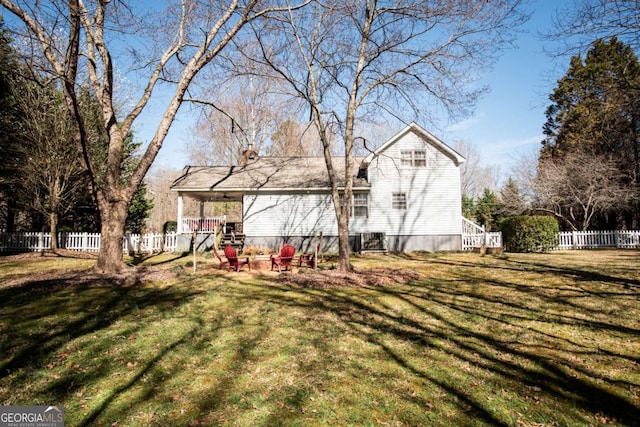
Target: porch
189, 225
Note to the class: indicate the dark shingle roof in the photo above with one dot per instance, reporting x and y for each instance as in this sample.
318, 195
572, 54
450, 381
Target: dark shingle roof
265, 173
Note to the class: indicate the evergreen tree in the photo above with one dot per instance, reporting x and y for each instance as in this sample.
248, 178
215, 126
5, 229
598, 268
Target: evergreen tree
10, 137
596, 110
138, 211
50, 172
468, 207
487, 209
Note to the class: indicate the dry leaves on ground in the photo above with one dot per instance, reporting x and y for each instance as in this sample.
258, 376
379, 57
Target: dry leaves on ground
358, 278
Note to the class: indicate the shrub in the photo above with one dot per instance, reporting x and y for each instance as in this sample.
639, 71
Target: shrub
170, 227
529, 233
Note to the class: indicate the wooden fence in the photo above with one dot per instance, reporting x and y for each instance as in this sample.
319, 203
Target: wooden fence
86, 242
622, 239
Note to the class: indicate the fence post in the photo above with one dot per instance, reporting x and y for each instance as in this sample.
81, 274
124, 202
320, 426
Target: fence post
574, 239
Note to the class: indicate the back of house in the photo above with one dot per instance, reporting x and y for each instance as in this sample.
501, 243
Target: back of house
406, 197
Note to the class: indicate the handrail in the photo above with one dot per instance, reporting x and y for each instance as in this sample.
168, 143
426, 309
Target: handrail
202, 225
470, 227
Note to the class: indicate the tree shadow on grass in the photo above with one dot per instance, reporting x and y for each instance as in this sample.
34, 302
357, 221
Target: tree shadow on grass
154, 258
446, 323
435, 319
40, 317
557, 377
539, 266
105, 319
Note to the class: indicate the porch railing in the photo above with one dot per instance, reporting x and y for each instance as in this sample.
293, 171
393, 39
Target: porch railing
202, 225
475, 236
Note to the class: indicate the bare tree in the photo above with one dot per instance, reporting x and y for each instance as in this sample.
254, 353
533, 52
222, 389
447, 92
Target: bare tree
82, 39
512, 200
475, 176
294, 139
165, 203
350, 60
580, 22
244, 117
579, 186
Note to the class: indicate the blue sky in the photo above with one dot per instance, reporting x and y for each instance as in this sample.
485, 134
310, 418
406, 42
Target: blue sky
507, 121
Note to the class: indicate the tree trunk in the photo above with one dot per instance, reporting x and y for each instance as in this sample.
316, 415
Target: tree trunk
11, 214
343, 242
110, 258
53, 230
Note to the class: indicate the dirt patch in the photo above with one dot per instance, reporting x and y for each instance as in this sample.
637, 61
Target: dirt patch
358, 278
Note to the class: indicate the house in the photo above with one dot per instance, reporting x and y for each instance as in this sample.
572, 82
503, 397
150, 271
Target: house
406, 197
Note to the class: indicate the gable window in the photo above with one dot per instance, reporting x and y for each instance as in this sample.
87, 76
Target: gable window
414, 158
406, 158
360, 205
399, 201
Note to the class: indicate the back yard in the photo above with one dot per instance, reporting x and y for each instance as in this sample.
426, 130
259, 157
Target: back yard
414, 340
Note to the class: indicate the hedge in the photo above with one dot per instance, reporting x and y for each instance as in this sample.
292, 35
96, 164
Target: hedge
529, 233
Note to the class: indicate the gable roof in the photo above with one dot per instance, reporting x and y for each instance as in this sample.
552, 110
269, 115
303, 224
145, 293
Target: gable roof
263, 174
456, 157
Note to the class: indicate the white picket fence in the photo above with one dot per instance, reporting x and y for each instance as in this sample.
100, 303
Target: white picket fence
476, 240
475, 236
154, 243
622, 239
86, 242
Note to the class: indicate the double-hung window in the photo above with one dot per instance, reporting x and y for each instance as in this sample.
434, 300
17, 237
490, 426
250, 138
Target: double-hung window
413, 158
399, 201
360, 205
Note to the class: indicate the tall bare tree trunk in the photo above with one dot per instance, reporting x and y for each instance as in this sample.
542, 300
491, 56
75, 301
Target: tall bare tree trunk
111, 259
53, 230
343, 242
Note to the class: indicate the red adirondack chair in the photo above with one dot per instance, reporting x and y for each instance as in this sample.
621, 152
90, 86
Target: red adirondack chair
221, 262
284, 258
234, 261
309, 258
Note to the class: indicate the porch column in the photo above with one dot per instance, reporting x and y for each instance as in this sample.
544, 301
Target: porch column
180, 204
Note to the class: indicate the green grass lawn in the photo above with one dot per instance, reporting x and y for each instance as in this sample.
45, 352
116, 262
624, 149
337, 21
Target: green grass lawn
515, 340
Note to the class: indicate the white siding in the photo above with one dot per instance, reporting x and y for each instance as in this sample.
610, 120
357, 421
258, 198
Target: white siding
288, 215
432, 220
433, 193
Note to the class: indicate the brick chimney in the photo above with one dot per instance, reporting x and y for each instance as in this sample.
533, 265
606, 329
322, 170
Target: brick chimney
248, 155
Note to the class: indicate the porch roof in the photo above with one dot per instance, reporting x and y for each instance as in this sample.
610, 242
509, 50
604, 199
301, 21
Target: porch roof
266, 174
